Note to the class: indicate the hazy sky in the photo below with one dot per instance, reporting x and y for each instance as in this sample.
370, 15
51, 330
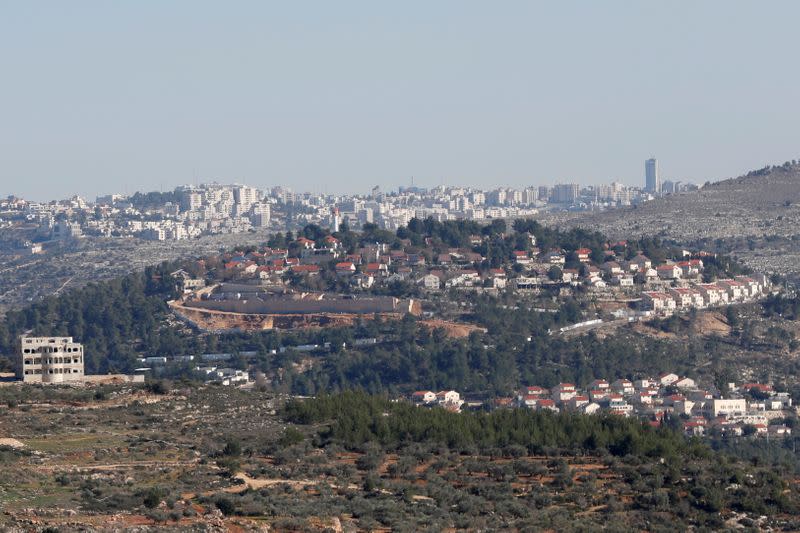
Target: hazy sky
101, 97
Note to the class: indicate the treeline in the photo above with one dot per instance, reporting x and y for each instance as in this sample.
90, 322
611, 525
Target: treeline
354, 419
453, 233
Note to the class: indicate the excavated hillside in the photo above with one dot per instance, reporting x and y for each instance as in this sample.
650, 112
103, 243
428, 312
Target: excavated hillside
755, 217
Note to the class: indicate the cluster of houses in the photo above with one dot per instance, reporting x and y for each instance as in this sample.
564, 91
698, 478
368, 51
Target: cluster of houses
702, 295
464, 268
699, 409
448, 399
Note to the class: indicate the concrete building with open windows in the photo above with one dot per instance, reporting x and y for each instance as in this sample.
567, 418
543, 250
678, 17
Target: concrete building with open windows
51, 359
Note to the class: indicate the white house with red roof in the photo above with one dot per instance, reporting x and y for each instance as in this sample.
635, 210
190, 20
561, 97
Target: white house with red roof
619, 406
690, 268
599, 384
734, 289
345, 268
599, 395
669, 271
563, 392
311, 270
668, 379
521, 257
332, 242
576, 402
660, 302
308, 244
683, 297
377, 269
750, 286
546, 404
612, 268
450, 397
712, 294
555, 258
623, 386
423, 396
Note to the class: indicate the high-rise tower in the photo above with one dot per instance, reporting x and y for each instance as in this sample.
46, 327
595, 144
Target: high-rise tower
652, 180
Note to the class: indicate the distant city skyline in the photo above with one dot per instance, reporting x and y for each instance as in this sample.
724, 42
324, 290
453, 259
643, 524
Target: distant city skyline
102, 98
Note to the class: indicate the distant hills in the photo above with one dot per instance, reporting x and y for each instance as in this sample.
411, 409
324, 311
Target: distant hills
756, 217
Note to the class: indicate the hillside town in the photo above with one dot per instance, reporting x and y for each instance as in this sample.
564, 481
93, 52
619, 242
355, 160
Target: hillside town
744, 409
646, 289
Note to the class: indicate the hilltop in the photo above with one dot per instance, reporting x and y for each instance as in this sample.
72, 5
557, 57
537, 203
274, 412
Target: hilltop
754, 216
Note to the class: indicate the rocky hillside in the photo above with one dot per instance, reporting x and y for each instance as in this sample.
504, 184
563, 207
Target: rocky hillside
756, 217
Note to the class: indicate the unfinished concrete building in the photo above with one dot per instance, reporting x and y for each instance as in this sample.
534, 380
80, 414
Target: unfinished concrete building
51, 359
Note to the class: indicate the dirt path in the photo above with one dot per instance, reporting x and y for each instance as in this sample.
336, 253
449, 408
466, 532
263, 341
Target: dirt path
255, 483
114, 466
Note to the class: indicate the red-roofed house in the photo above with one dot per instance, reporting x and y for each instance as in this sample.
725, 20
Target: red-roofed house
345, 268
308, 244
583, 254
521, 257
760, 387
332, 242
563, 392
311, 270
424, 396
598, 395
547, 404
377, 269
599, 384
576, 402
669, 271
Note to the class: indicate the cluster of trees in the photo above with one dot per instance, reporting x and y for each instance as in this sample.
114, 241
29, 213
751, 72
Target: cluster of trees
722, 266
355, 418
452, 233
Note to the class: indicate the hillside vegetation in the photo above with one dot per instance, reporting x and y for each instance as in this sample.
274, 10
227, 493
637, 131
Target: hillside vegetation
217, 457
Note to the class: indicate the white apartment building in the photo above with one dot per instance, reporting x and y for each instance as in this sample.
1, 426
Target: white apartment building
729, 407
261, 215
51, 359
245, 196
